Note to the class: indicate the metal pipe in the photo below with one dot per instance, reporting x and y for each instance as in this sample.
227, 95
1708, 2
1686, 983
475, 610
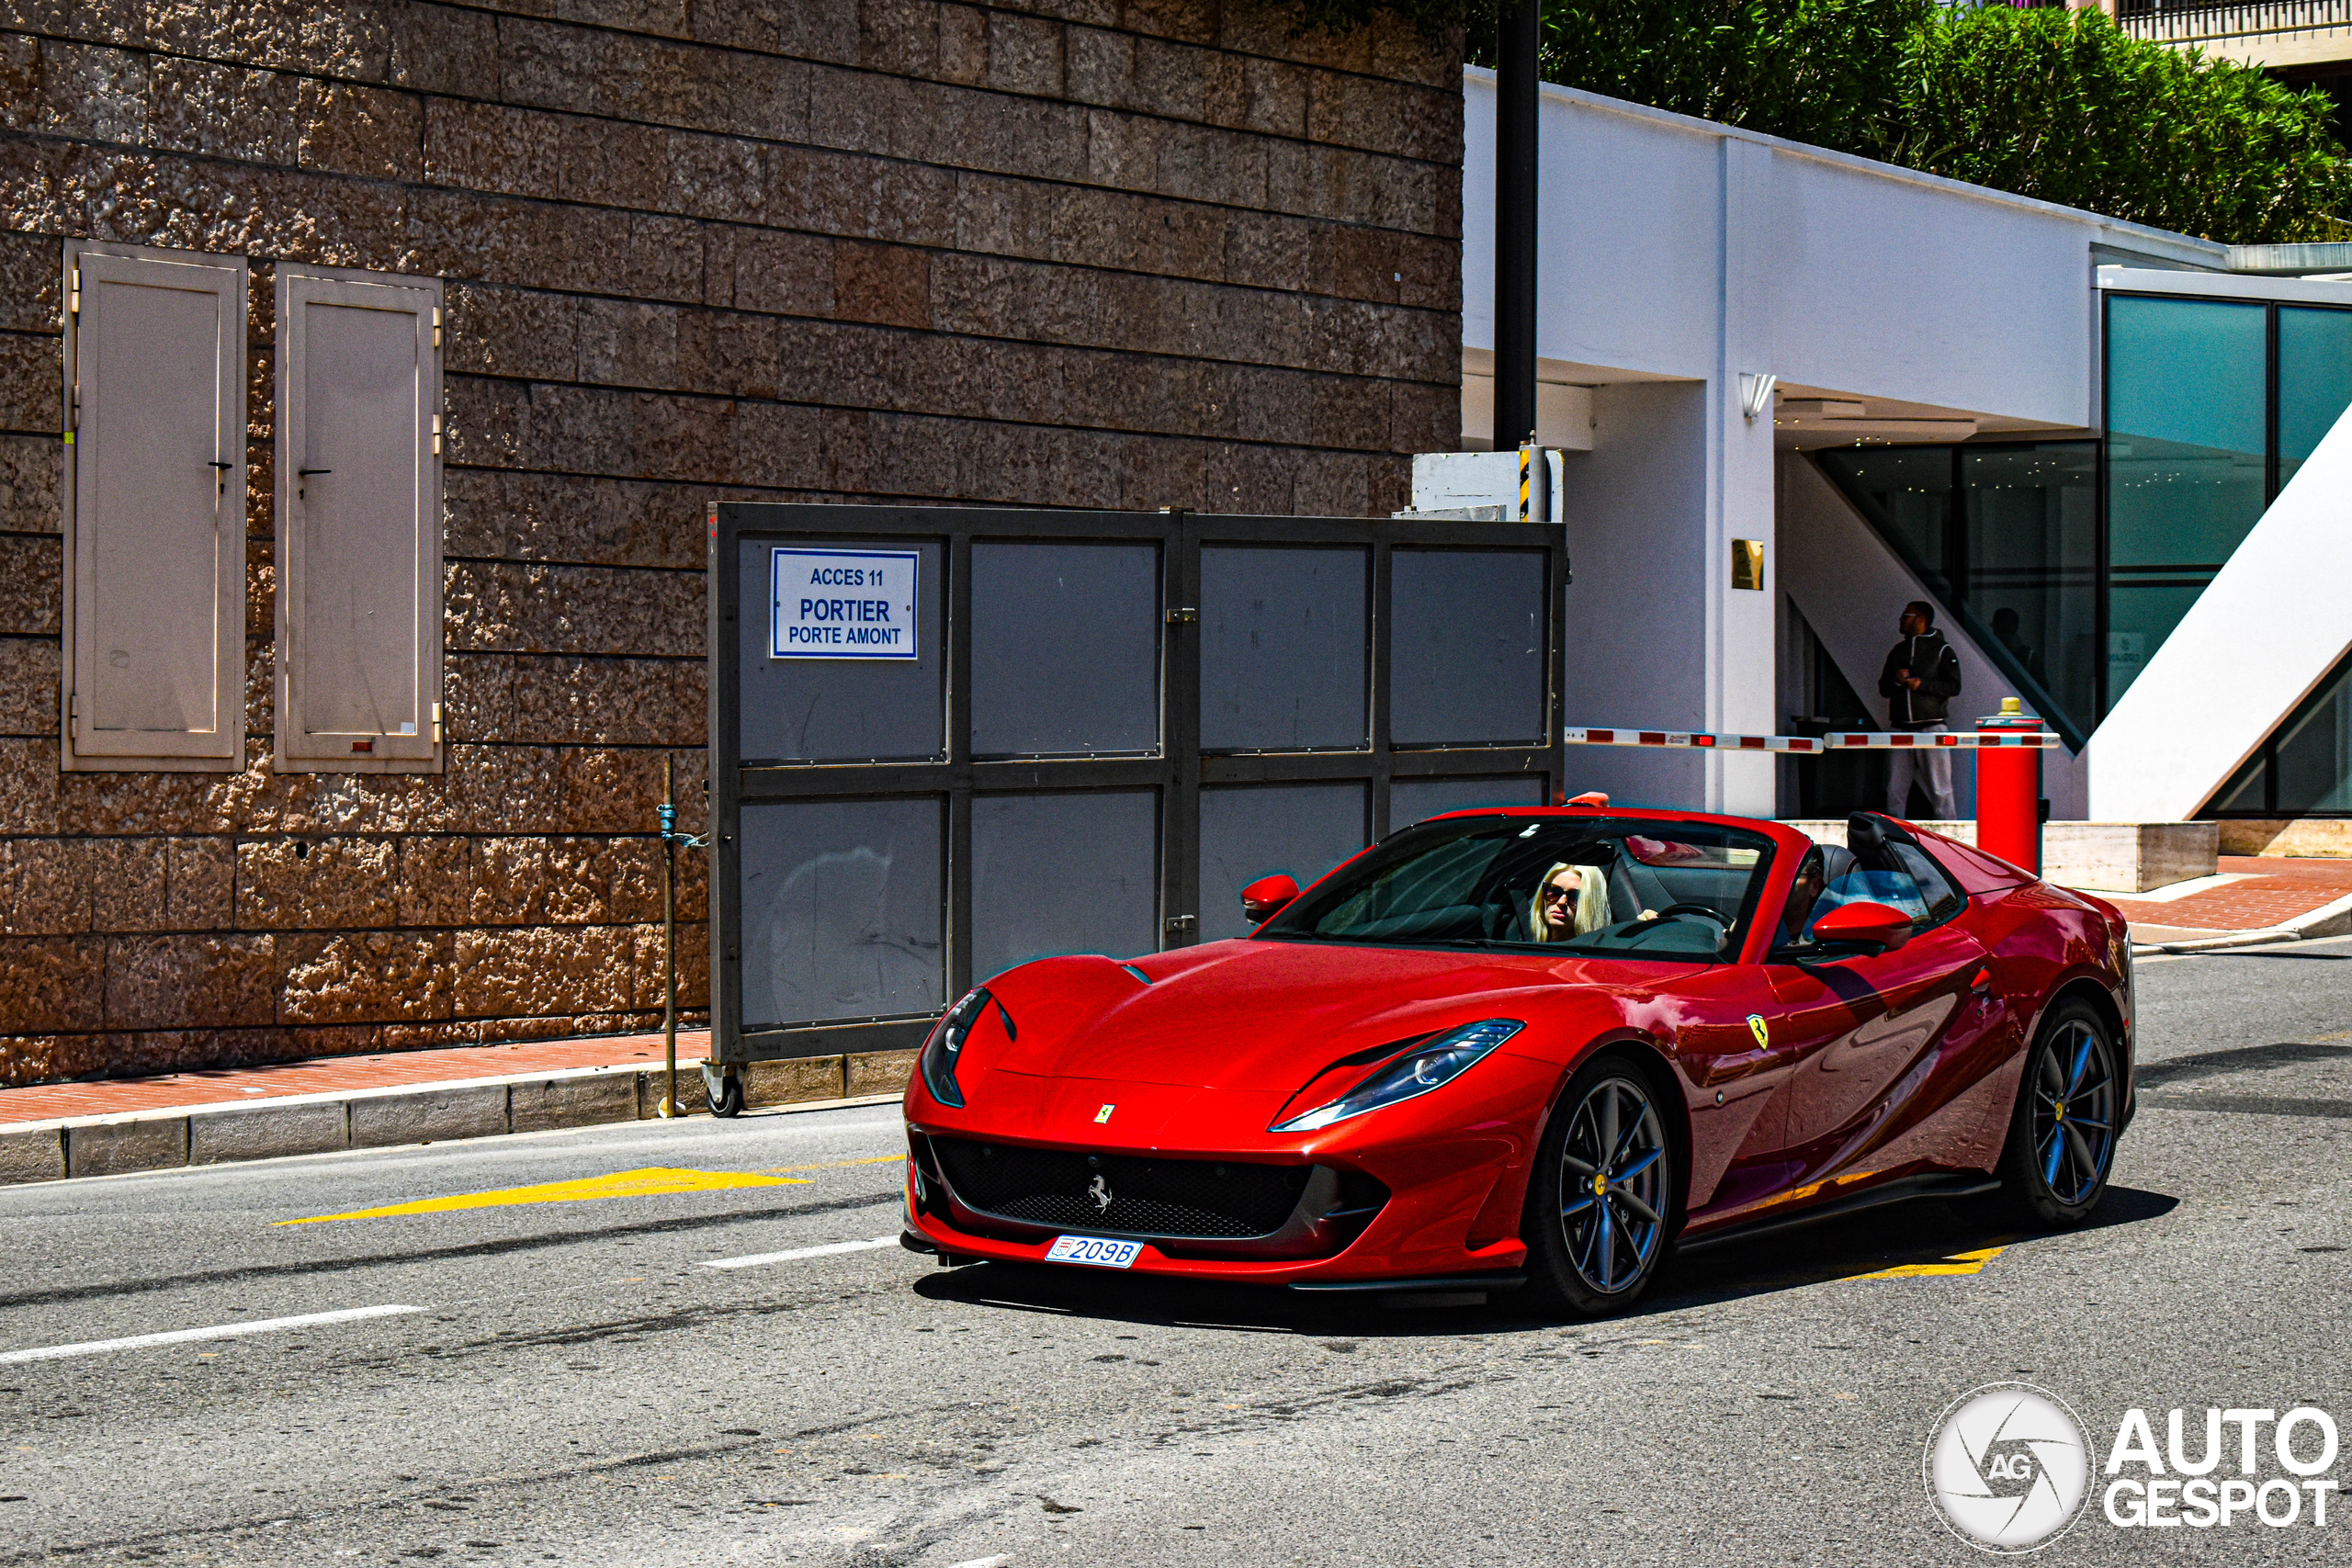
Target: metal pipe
1518, 36
670, 932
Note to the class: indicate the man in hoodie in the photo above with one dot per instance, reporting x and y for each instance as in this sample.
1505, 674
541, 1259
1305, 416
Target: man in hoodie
1921, 677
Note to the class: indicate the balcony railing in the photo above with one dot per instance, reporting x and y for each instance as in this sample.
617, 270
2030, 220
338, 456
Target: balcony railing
2169, 21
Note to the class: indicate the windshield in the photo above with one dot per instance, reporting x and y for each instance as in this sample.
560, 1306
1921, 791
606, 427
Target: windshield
1681, 890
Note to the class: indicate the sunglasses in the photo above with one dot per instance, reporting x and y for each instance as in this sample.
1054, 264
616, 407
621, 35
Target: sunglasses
1559, 895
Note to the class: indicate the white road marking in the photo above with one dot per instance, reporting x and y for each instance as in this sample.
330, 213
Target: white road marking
757, 1258
219, 1331
984, 1562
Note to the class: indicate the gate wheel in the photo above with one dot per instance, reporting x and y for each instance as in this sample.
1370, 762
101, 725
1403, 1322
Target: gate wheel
724, 1087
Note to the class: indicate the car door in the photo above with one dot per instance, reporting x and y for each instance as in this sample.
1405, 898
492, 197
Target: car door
1738, 1055
1795, 1004
1865, 1030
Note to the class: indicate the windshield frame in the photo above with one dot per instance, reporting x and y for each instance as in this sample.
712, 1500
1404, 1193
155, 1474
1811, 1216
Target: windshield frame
1345, 880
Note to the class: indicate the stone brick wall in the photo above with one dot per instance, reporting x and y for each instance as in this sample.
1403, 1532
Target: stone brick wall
1065, 253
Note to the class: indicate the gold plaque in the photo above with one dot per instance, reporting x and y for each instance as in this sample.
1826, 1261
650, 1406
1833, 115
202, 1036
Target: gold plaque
1748, 563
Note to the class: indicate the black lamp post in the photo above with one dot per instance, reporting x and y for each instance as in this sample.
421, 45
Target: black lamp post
1515, 51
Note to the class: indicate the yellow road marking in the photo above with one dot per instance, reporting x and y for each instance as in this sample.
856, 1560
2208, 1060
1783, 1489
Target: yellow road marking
654, 1181
1958, 1263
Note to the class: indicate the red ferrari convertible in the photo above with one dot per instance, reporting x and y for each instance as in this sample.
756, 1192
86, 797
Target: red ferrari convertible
1539, 1048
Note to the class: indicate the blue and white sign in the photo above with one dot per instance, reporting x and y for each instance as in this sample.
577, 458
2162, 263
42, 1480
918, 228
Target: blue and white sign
841, 603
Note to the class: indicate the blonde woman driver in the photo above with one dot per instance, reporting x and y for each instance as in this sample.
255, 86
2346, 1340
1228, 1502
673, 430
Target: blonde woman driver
1569, 901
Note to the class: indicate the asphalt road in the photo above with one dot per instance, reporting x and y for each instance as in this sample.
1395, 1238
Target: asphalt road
575, 1384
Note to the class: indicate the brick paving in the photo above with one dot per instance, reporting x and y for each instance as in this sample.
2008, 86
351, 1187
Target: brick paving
326, 1075
2274, 892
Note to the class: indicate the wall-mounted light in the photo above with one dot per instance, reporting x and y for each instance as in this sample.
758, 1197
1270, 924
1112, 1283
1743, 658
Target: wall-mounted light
1755, 393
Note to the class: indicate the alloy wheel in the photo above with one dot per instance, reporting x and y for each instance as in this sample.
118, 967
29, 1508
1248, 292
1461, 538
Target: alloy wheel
1612, 1186
2073, 1112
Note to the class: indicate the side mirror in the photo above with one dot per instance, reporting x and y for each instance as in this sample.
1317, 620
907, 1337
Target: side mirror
1879, 927
1263, 899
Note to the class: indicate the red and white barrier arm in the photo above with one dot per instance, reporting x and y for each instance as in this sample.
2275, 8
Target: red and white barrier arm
1856, 740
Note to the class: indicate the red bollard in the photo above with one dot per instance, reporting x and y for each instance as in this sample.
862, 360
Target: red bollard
2008, 792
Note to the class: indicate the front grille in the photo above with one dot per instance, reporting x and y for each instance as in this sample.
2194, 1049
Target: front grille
1210, 1200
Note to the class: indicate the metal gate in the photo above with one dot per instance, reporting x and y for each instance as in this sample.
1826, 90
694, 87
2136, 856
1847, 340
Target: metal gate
946, 740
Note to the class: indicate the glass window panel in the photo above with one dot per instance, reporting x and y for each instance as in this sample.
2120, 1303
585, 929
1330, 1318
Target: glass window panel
1284, 651
2314, 380
1065, 649
1413, 800
1253, 830
2245, 795
2185, 413
2141, 614
1466, 647
1905, 493
2031, 514
1839, 782
1935, 890
831, 710
2314, 756
842, 904
1064, 873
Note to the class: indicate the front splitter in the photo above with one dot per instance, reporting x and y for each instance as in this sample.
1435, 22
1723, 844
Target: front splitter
915, 1241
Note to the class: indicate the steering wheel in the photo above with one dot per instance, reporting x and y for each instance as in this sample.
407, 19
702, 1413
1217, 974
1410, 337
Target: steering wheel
1712, 914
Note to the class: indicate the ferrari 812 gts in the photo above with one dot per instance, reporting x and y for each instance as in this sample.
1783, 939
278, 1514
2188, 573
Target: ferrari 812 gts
1538, 1048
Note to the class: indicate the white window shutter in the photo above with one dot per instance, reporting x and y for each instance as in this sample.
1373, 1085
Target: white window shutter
155, 509
359, 641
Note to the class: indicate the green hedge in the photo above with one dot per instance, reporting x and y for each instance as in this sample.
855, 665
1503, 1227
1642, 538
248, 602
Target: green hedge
2052, 103
2064, 105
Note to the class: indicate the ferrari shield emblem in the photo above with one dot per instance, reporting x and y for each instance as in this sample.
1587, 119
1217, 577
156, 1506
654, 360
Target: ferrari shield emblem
1758, 1028
1104, 1114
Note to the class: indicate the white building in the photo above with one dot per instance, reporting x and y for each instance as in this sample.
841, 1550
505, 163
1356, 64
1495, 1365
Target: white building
2103, 450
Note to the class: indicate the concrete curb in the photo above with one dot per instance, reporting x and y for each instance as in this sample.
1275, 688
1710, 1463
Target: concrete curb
2328, 919
169, 1137
2265, 937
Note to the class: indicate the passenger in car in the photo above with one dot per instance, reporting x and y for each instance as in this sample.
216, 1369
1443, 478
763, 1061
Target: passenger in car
1803, 894
1570, 900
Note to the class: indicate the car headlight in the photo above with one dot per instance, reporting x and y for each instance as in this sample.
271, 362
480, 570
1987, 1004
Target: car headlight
1433, 1064
947, 1043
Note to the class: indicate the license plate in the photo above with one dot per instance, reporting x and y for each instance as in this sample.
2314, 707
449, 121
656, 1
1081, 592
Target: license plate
1093, 1251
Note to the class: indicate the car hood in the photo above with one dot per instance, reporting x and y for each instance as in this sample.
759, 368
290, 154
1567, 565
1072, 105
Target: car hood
1266, 1015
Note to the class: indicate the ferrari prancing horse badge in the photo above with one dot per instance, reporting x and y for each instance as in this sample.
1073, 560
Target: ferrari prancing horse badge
1757, 1026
